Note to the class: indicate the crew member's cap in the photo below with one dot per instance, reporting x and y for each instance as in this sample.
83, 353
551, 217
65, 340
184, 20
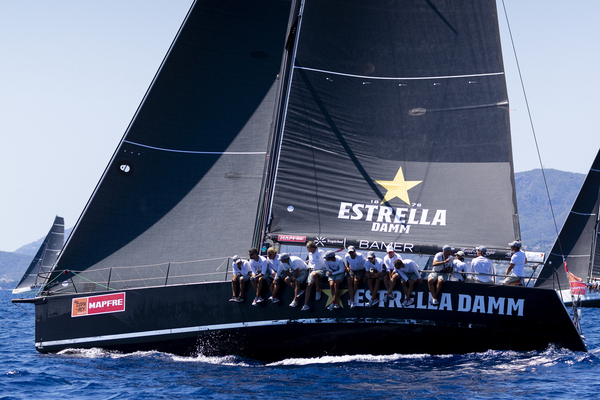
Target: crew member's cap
351, 248
516, 243
389, 248
371, 254
284, 257
447, 248
482, 249
460, 254
330, 254
236, 259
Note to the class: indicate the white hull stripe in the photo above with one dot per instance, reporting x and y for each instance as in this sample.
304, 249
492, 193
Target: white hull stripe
198, 152
399, 78
237, 325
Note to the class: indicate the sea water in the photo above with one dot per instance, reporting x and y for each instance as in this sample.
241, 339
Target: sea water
97, 374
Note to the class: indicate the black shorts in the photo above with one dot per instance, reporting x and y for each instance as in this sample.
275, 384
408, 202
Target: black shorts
359, 274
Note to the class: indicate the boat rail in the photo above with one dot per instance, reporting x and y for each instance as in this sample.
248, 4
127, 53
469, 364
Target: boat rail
140, 276
156, 275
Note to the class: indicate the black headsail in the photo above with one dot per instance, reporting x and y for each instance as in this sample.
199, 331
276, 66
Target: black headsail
397, 128
182, 191
577, 240
38, 271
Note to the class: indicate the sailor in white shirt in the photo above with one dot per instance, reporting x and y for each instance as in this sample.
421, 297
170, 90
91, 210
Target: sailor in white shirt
336, 270
388, 262
240, 277
409, 274
275, 268
316, 266
296, 273
516, 269
374, 271
459, 267
442, 266
482, 267
260, 273
355, 265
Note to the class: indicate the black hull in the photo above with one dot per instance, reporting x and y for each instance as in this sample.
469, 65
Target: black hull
198, 318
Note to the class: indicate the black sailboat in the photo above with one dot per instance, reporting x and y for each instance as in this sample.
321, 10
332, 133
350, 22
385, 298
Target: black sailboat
578, 243
39, 269
345, 122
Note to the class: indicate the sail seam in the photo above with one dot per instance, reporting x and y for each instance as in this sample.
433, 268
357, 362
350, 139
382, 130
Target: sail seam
399, 78
196, 152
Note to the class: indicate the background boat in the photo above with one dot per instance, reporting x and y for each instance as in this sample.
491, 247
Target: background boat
39, 269
577, 245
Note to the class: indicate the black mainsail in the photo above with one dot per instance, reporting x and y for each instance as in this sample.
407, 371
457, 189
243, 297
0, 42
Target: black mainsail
397, 128
380, 121
578, 238
39, 269
181, 194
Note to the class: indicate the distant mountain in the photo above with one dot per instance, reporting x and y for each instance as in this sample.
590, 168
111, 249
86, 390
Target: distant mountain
537, 226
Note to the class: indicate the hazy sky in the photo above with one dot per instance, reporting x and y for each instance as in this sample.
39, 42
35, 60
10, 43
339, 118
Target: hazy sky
72, 74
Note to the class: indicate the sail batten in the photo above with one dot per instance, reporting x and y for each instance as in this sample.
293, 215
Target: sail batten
393, 78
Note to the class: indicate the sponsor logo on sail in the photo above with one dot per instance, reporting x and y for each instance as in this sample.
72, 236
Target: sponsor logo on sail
103, 304
384, 218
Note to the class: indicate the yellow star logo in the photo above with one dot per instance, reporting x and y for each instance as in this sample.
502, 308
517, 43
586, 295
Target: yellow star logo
398, 187
330, 298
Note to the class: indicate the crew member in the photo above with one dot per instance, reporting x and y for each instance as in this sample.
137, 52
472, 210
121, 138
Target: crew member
355, 265
442, 266
482, 267
516, 269
374, 271
240, 277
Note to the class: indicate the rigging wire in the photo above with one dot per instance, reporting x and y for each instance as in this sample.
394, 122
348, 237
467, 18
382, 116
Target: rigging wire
531, 121
573, 301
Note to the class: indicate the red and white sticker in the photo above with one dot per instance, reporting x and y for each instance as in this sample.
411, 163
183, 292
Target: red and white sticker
108, 303
291, 238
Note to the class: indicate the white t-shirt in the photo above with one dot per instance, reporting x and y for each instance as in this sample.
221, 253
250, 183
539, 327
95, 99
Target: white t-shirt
482, 265
458, 268
296, 263
335, 267
316, 260
440, 258
389, 262
357, 263
260, 266
409, 266
241, 269
518, 259
378, 266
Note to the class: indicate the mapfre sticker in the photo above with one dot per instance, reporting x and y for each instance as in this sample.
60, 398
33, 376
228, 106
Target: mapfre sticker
108, 303
291, 238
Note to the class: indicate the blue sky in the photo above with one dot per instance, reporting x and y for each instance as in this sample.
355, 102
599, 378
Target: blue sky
73, 73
